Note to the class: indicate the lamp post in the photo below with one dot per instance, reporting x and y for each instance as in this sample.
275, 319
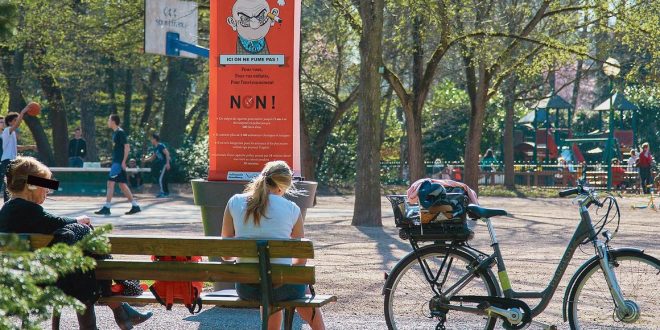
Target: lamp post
611, 68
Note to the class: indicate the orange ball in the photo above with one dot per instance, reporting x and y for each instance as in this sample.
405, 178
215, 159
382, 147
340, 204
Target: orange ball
34, 109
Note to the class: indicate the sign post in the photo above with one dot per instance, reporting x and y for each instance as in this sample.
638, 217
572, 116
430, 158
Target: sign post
254, 102
254, 111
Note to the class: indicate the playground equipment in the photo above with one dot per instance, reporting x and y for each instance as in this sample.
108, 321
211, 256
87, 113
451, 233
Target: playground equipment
546, 139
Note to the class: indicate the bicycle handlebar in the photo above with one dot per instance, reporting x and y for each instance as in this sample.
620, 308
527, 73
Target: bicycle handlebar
591, 197
568, 192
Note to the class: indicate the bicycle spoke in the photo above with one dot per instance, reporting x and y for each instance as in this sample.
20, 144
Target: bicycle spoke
407, 304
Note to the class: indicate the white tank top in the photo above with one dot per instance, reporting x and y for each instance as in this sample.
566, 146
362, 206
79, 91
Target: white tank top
280, 217
9, 144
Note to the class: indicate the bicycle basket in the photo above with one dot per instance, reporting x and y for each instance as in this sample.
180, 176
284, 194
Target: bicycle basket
408, 218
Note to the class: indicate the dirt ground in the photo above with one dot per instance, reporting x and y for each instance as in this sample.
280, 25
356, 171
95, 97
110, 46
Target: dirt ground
351, 261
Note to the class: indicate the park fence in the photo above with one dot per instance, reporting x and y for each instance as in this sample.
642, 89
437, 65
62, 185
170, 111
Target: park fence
525, 174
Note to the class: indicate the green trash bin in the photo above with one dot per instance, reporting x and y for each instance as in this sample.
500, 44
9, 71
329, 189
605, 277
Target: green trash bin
212, 197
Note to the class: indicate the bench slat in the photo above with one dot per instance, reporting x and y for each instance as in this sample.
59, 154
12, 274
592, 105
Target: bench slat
203, 271
192, 246
207, 246
228, 301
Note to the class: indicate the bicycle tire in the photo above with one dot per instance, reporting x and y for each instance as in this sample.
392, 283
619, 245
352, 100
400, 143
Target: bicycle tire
591, 306
406, 305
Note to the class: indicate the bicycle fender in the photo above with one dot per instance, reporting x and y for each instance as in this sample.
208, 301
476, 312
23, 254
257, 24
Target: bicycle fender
582, 268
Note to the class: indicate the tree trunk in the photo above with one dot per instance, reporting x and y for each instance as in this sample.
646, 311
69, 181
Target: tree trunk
367, 186
194, 131
415, 154
413, 109
201, 105
110, 72
179, 73
308, 167
403, 146
477, 85
509, 103
13, 71
58, 118
576, 84
128, 99
88, 125
149, 99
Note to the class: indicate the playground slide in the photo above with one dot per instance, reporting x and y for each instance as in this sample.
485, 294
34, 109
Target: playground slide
577, 153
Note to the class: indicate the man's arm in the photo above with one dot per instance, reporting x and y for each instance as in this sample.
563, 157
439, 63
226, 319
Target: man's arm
148, 159
84, 148
18, 120
167, 158
127, 149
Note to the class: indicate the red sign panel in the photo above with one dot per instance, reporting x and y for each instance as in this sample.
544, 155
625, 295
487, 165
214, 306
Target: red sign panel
253, 86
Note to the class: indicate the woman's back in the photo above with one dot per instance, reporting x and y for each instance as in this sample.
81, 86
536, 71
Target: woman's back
280, 217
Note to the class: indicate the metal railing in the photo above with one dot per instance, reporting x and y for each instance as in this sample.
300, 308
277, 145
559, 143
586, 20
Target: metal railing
550, 175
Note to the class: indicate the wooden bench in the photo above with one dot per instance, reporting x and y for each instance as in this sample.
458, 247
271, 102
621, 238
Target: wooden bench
263, 273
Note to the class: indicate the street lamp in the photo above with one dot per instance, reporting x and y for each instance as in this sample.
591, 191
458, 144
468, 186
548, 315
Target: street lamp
611, 68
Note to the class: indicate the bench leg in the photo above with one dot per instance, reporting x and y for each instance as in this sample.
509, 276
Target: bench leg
288, 317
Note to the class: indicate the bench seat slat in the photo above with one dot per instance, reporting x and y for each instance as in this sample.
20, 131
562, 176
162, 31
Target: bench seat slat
228, 301
193, 246
203, 271
207, 246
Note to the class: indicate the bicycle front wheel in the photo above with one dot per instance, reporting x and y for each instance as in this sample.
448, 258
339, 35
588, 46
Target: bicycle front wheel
591, 305
408, 294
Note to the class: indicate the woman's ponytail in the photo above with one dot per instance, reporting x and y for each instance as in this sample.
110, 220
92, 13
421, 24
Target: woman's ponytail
275, 174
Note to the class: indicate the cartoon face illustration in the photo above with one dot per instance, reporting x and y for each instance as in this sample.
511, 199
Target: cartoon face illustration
252, 20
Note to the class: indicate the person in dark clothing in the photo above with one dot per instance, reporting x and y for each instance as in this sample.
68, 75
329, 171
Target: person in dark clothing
161, 163
77, 149
28, 182
120, 152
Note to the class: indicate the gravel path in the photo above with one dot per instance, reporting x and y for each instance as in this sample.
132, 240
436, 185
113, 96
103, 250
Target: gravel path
533, 239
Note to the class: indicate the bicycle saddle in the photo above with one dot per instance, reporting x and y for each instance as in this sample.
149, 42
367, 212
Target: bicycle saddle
482, 212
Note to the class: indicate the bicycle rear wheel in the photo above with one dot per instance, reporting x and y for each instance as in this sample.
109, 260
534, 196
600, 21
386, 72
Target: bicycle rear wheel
590, 303
408, 294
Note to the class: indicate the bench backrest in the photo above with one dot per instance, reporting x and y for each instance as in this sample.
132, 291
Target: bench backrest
209, 271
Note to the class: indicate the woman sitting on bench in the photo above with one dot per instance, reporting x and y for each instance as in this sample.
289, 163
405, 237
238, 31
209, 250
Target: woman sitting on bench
28, 182
262, 212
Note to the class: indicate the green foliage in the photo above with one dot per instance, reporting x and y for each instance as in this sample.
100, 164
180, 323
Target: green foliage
338, 165
647, 98
27, 291
192, 160
8, 19
446, 117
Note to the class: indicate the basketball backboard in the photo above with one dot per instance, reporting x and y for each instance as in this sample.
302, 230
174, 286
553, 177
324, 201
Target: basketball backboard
163, 16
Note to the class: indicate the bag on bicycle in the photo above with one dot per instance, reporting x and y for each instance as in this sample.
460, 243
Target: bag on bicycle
166, 292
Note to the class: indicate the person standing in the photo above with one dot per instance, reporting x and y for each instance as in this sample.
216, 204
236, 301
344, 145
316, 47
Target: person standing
632, 161
161, 163
77, 149
10, 145
644, 164
487, 166
120, 151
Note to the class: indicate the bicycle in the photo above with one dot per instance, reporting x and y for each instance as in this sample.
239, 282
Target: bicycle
449, 284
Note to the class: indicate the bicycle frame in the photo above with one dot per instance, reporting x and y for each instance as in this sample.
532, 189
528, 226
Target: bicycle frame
584, 230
